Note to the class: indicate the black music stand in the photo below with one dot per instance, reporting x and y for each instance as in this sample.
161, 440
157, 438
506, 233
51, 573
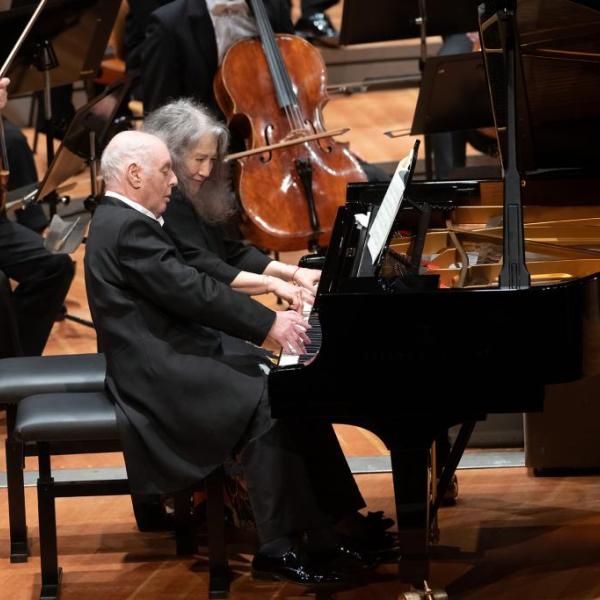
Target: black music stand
386, 20
453, 95
90, 130
69, 40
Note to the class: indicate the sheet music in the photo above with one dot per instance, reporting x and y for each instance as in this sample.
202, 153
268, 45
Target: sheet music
382, 224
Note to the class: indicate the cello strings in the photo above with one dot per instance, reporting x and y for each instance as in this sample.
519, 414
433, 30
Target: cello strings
283, 86
263, 29
291, 107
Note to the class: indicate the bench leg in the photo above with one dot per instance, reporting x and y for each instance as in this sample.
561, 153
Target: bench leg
185, 539
17, 518
217, 549
47, 522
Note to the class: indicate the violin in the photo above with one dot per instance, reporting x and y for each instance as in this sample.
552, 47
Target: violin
272, 91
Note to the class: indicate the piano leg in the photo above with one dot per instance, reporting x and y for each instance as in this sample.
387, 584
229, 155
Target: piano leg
411, 473
412, 492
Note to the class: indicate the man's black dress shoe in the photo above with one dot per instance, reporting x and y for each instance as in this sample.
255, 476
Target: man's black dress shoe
315, 26
296, 566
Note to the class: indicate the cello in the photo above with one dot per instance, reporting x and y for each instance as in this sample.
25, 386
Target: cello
273, 90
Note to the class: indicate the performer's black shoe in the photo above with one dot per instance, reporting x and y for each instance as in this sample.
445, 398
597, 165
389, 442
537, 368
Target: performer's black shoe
298, 566
316, 25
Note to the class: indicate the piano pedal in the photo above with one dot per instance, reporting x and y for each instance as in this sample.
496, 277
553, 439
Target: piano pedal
426, 593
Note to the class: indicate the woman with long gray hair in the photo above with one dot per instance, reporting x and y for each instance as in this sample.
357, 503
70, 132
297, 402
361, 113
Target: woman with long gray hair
203, 202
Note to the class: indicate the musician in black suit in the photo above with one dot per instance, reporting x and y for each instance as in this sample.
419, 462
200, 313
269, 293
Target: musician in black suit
43, 278
22, 167
184, 404
136, 22
186, 40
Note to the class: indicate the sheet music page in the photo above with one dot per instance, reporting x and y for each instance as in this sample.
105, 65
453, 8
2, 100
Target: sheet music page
382, 225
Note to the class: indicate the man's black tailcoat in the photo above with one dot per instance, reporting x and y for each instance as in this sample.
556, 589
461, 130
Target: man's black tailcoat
182, 404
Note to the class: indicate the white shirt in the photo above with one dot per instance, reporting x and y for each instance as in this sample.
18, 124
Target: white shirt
136, 205
232, 22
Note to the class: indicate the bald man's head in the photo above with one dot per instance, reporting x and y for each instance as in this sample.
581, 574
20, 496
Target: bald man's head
138, 166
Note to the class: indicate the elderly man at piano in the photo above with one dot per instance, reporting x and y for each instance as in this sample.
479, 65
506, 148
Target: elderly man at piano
184, 404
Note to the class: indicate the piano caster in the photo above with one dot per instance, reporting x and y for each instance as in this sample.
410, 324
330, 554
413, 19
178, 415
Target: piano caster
426, 593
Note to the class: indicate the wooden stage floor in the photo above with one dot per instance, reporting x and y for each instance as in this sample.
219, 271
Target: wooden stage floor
510, 537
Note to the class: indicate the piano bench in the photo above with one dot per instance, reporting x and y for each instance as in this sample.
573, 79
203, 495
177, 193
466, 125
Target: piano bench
24, 376
77, 423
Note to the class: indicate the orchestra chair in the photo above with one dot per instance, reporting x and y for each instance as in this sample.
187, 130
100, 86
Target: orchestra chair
67, 423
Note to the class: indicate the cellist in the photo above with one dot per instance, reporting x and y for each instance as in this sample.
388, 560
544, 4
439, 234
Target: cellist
186, 41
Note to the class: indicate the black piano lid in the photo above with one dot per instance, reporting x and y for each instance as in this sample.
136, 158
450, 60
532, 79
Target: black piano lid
558, 84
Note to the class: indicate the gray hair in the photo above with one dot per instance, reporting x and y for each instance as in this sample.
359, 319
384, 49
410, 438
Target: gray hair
126, 148
181, 124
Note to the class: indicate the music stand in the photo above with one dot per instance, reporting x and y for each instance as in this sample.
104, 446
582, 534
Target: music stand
385, 20
77, 32
68, 39
453, 95
89, 132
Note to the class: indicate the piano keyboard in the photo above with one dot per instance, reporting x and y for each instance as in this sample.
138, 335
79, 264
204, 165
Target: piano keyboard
312, 348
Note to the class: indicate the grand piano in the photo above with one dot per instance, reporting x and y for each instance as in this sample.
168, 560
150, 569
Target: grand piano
504, 296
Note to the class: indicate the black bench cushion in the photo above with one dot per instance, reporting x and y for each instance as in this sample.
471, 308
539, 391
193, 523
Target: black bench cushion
28, 375
66, 418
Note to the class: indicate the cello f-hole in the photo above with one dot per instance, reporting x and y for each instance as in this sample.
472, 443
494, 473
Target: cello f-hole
324, 144
265, 157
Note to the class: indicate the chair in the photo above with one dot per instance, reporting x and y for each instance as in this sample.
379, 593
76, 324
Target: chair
67, 423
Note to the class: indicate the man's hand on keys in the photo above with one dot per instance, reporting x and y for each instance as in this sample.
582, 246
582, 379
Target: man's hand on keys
289, 332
